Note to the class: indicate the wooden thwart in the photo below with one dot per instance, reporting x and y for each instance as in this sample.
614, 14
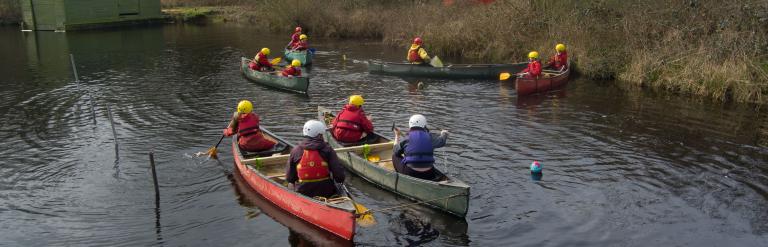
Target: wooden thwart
282, 159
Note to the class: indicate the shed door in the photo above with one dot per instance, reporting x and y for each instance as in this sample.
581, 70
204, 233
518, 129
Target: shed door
128, 7
44, 12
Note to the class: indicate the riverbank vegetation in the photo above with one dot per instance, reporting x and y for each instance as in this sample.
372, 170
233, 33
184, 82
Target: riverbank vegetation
701, 48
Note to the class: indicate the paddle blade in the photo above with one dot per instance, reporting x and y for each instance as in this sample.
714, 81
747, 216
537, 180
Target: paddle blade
212, 152
436, 62
504, 76
276, 60
374, 158
364, 218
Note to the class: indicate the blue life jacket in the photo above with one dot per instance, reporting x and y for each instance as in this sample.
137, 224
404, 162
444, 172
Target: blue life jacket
418, 151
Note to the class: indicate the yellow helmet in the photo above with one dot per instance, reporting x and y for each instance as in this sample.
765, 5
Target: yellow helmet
244, 107
296, 63
356, 100
533, 54
303, 37
265, 51
560, 47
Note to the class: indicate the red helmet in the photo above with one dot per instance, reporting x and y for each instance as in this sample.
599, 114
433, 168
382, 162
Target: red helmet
298, 29
417, 41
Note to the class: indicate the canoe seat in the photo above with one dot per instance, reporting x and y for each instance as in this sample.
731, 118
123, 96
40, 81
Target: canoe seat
372, 140
278, 148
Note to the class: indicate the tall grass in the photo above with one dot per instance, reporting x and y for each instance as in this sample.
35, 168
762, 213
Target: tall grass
9, 11
717, 49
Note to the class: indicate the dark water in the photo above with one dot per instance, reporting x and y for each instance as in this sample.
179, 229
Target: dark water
620, 169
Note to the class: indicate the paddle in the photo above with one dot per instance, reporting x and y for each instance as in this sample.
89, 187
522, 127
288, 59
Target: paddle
281, 159
364, 217
436, 62
274, 61
504, 76
212, 151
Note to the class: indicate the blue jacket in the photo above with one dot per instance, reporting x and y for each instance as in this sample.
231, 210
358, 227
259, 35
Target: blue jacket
417, 149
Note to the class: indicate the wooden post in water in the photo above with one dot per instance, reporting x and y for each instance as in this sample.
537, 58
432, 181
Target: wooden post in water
154, 178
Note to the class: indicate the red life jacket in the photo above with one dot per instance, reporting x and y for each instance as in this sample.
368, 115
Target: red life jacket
294, 39
413, 55
559, 61
312, 167
534, 69
261, 62
347, 127
301, 45
250, 136
292, 71
247, 124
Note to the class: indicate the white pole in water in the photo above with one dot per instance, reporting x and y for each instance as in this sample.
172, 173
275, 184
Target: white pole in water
74, 69
77, 84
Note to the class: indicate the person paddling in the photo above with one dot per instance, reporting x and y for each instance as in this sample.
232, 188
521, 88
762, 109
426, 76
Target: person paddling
351, 125
261, 61
293, 69
534, 66
246, 124
312, 163
417, 54
294, 37
413, 155
559, 61
302, 45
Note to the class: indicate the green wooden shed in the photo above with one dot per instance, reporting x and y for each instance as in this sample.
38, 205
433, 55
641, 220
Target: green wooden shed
61, 15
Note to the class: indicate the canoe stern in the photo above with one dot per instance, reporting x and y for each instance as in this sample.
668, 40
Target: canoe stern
318, 214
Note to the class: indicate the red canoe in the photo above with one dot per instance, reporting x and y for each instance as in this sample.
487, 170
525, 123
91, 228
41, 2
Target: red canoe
549, 80
247, 197
337, 217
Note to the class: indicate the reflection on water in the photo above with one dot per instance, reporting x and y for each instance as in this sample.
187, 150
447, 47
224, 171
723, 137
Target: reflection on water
623, 167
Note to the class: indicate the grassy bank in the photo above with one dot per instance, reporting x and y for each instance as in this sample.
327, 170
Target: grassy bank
703, 48
10, 12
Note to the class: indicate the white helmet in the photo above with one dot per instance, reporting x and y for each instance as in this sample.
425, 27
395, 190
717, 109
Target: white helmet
417, 120
312, 128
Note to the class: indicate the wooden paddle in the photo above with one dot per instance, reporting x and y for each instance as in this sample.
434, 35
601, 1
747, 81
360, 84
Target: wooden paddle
212, 151
274, 61
364, 216
282, 159
504, 76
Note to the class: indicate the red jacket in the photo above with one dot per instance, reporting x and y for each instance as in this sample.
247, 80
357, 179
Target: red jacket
261, 62
350, 124
558, 61
294, 39
301, 45
534, 69
414, 54
250, 136
291, 71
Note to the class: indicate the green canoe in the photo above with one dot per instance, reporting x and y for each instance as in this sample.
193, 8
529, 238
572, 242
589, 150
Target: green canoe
450, 71
298, 84
450, 195
304, 56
